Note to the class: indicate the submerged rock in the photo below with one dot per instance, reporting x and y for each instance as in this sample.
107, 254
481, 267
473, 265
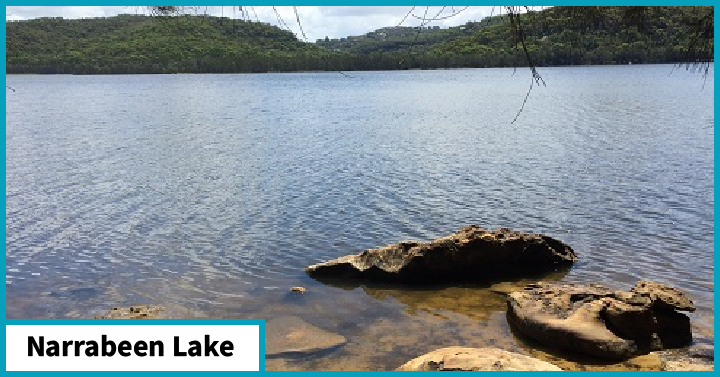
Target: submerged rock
475, 359
471, 253
594, 320
689, 366
132, 312
292, 336
300, 290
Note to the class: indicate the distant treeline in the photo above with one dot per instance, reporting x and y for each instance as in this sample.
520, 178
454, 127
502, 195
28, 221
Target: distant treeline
202, 44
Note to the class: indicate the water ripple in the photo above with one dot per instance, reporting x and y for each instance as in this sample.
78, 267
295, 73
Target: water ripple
202, 191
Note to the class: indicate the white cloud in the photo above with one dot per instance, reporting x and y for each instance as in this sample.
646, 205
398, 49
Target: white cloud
27, 12
317, 22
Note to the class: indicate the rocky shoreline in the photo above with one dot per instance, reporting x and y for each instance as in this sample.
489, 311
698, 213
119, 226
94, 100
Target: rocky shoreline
639, 329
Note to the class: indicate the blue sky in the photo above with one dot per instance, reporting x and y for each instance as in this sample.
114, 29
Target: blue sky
317, 22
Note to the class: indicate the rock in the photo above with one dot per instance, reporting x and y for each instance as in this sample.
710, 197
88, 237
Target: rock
594, 320
475, 359
471, 253
300, 290
649, 362
580, 362
132, 312
505, 288
683, 365
663, 296
291, 335
166, 311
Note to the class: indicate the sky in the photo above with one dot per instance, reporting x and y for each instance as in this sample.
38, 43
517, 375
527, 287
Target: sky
317, 22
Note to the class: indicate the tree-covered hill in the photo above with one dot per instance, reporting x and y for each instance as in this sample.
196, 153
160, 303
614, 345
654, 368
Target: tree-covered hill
184, 44
141, 44
593, 35
396, 38
554, 36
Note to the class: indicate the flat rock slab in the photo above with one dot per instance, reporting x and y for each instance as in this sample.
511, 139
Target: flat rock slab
472, 253
475, 359
289, 335
689, 366
132, 312
597, 321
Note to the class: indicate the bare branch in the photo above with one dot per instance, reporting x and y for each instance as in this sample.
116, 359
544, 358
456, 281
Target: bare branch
297, 17
519, 35
255, 13
438, 18
280, 19
527, 95
406, 16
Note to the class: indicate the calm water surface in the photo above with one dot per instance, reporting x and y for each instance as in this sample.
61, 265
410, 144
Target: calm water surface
208, 194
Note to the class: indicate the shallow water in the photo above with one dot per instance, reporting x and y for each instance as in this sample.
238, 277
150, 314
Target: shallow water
208, 194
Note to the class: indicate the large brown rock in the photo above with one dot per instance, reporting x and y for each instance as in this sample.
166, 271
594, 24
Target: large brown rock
596, 321
475, 359
471, 253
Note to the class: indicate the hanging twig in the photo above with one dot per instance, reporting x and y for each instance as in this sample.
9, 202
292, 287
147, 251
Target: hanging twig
438, 18
280, 19
527, 95
419, 29
425, 20
519, 36
406, 16
297, 17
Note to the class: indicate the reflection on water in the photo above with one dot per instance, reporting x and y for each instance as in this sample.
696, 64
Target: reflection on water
474, 303
477, 300
208, 194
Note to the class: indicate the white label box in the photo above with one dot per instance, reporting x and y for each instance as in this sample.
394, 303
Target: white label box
127, 347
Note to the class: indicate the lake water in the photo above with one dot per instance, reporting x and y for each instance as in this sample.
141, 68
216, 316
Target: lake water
209, 194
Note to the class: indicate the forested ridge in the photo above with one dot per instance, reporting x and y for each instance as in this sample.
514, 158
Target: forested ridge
142, 44
204, 44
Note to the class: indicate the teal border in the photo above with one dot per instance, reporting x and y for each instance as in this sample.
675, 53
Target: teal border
261, 322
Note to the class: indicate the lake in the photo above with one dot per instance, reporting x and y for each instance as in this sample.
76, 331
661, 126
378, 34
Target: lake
209, 194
